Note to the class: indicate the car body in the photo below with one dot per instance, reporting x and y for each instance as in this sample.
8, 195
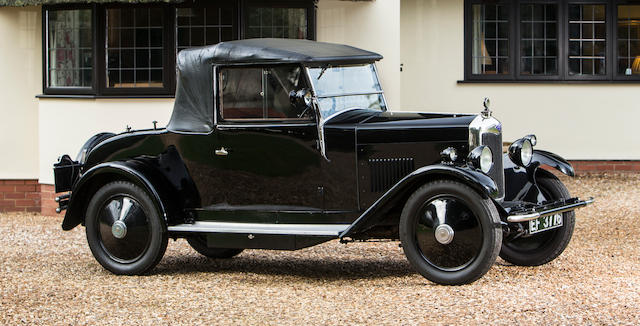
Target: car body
285, 144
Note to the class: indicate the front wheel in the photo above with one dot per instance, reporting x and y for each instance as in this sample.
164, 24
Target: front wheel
450, 234
124, 229
543, 247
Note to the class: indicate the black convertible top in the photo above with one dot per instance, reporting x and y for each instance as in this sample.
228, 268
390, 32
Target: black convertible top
193, 108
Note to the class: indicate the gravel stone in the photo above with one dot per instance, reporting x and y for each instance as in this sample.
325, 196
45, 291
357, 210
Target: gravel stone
48, 276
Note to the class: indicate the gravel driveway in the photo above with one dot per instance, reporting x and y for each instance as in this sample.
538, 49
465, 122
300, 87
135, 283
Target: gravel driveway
48, 276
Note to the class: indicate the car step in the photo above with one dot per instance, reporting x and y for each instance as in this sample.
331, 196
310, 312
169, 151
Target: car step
261, 228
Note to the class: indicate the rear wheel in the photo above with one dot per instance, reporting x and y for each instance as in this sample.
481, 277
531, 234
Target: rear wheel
450, 233
199, 244
546, 246
124, 229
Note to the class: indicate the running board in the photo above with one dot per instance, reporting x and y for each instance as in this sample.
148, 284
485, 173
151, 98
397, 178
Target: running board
261, 228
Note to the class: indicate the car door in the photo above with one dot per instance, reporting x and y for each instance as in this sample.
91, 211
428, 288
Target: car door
267, 148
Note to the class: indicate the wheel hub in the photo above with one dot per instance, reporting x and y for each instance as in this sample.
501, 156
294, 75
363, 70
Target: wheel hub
119, 229
444, 234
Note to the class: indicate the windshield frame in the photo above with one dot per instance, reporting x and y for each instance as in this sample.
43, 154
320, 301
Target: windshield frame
316, 98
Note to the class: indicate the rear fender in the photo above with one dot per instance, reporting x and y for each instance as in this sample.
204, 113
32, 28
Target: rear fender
101, 174
376, 212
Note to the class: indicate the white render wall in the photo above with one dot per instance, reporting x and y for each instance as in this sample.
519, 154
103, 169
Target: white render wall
577, 121
65, 124
371, 25
20, 81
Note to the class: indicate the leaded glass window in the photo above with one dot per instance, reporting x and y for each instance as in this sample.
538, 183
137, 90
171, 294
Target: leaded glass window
135, 47
538, 39
628, 40
587, 39
206, 25
276, 22
490, 54
69, 48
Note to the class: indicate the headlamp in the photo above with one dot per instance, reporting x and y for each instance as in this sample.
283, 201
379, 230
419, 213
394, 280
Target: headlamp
481, 158
521, 151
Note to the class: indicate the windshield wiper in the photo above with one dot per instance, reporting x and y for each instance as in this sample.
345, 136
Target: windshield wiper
323, 70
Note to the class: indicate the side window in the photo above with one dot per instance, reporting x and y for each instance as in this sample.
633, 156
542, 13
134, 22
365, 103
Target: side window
261, 93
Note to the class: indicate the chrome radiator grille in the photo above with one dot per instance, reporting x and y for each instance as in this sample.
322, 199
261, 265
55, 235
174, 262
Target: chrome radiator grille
385, 172
494, 142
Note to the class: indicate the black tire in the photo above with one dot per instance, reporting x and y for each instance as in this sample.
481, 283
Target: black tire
145, 240
541, 248
199, 243
475, 223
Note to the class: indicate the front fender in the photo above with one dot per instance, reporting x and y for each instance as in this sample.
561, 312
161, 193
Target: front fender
121, 170
520, 183
475, 179
554, 161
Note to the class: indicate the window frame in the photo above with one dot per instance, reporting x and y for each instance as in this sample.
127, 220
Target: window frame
168, 61
614, 24
468, 40
217, 94
563, 76
609, 39
310, 8
99, 87
191, 4
559, 38
65, 90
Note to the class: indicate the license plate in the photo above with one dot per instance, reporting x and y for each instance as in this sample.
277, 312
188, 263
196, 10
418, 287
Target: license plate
545, 223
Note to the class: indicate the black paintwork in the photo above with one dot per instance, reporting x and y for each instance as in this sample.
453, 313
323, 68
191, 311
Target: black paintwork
275, 173
202, 168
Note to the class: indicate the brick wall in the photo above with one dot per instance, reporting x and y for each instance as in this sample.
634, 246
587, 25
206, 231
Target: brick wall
27, 196
19, 196
583, 167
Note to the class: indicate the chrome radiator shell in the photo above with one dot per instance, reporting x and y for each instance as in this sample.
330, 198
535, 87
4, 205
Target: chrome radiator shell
487, 130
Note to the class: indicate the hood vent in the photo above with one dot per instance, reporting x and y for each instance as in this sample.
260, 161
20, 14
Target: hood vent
386, 172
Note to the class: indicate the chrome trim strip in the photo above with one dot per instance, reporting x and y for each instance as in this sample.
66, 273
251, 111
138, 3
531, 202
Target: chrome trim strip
261, 228
349, 94
548, 212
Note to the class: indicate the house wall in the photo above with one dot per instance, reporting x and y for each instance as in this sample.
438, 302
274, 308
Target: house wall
65, 124
20, 81
371, 25
578, 121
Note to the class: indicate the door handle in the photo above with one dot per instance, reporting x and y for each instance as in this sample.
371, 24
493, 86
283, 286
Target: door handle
222, 151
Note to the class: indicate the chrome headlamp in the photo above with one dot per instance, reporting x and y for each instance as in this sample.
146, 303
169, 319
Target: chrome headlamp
449, 154
481, 158
521, 151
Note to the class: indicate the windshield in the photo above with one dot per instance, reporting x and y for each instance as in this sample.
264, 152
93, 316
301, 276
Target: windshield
347, 87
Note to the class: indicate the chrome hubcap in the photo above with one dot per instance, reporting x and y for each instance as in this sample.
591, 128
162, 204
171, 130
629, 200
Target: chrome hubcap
119, 229
444, 234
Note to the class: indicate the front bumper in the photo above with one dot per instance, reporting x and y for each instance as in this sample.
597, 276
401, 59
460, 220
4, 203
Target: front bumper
527, 212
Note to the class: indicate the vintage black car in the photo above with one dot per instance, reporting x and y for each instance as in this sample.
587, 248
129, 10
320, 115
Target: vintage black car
285, 144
